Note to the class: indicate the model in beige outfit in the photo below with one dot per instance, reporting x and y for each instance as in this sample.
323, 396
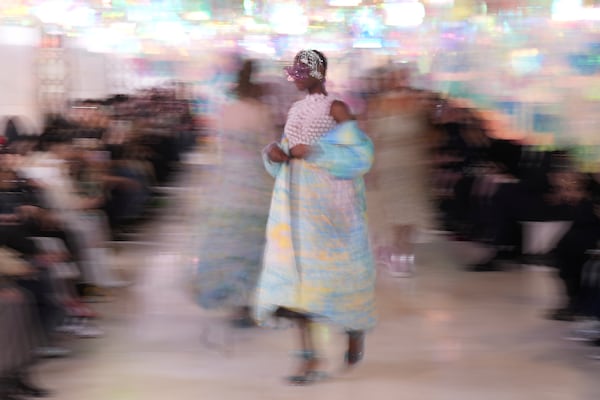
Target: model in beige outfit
398, 185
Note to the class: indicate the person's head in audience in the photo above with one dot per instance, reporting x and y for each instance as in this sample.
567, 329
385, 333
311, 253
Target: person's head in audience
245, 87
397, 78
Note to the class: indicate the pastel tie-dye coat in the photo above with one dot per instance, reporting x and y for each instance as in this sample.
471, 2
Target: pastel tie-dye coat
317, 257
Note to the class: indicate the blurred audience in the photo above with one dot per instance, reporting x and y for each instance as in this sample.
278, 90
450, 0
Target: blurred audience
91, 175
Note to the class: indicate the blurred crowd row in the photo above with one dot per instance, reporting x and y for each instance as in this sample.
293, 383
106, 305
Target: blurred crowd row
530, 205
93, 175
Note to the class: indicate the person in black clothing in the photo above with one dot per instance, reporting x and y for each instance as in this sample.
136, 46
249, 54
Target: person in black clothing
582, 196
18, 210
17, 341
525, 195
11, 130
22, 332
461, 151
127, 188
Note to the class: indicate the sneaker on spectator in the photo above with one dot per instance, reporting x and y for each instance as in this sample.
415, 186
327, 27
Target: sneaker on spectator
582, 336
69, 326
88, 331
586, 332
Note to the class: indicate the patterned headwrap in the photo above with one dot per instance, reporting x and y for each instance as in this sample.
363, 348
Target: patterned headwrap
307, 63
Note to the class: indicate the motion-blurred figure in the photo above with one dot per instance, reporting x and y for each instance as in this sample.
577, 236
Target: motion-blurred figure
400, 206
232, 229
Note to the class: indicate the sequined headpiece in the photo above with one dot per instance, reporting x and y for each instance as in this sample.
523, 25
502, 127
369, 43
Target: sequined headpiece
307, 63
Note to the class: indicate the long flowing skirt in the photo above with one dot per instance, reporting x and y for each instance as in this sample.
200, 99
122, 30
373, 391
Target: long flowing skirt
231, 236
317, 258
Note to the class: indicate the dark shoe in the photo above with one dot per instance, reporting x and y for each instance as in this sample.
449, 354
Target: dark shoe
562, 314
488, 266
508, 256
353, 358
308, 378
243, 322
244, 319
8, 390
537, 259
9, 397
27, 389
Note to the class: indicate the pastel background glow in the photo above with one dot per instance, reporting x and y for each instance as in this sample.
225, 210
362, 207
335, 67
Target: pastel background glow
520, 58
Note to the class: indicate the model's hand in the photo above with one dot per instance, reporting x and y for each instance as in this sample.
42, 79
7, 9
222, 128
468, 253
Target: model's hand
300, 151
277, 155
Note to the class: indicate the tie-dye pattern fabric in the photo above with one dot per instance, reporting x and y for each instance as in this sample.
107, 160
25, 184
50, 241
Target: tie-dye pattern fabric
231, 221
317, 258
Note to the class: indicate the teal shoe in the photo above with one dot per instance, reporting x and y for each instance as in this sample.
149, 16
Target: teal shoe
310, 376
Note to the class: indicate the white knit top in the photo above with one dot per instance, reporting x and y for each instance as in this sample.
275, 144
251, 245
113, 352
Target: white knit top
309, 119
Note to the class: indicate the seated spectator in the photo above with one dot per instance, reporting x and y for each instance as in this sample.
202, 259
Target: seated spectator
78, 208
128, 184
521, 192
570, 252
